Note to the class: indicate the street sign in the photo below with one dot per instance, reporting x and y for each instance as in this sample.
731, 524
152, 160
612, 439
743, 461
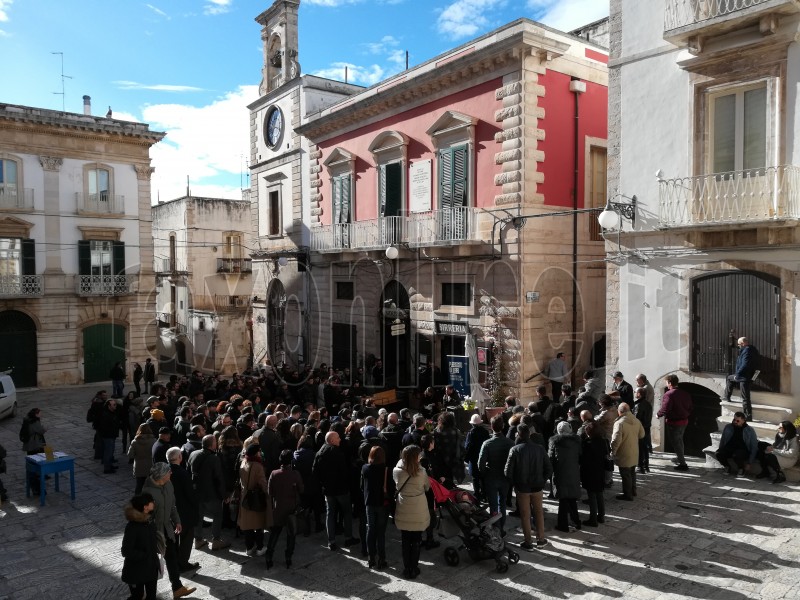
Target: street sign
398, 329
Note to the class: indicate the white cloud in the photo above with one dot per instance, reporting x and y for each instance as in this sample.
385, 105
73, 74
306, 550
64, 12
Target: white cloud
5, 5
568, 14
157, 10
464, 18
209, 144
332, 3
217, 7
355, 74
383, 47
158, 87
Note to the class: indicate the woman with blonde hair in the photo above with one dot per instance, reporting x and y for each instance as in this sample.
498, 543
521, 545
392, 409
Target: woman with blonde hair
411, 514
140, 455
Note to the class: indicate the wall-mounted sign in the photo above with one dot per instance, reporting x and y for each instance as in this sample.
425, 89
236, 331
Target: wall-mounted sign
394, 313
531, 297
452, 328
458, 373
481, 352
419, 184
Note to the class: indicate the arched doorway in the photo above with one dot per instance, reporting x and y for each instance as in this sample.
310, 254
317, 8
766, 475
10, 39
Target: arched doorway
103, 346
395, 319
702, 422
727, 305
18, 347
276, 322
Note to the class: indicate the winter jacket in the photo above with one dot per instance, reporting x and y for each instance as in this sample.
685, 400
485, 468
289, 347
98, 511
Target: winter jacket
251, 476
165, 515
140, 452
229, 458
606, 421
746, 363
565, 455
493, 456
109, 424
332, 470
676, 406
411, 512
528, 467
303, 463
392, 435
748, 436
285, 487
785, 451
139, 548
206, 471
625, 440
475, 438
643, 411
36, 441
594, 453
271, 445
159, 450
373, 479
185, 498
192, 443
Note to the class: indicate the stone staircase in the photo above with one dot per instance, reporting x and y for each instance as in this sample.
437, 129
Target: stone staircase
769, 409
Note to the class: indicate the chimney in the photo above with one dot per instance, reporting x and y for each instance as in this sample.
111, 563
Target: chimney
87, 105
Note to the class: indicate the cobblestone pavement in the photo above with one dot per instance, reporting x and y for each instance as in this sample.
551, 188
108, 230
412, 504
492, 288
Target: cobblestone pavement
696, 534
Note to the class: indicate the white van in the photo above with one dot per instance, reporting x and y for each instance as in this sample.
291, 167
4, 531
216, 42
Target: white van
8, 396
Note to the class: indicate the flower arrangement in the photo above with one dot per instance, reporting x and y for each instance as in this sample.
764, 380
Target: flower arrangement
797, 421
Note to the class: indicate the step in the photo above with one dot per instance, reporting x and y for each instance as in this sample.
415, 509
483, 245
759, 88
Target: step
761, 412
792, 473
764, 430
769, 398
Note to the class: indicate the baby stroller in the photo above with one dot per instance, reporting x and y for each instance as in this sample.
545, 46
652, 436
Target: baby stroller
478, 533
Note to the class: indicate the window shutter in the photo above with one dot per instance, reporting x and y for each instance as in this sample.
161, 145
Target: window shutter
382, 190
445, 179
118, 256
84, 257
28, 257
337, 200
346, 199
460, 176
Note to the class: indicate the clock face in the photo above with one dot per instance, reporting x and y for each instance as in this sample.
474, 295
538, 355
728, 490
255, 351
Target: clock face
274, 126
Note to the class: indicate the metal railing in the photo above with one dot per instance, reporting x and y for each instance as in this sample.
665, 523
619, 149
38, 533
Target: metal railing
222, 302
680, 13
21, 285
439, 227
105, 285
234, 265
101, 203
736, 197
13, 197
168, 265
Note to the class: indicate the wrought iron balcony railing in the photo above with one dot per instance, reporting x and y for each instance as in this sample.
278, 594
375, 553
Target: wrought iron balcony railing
105, 285
168, 266
102, 203
234, 265
23, 286
12, 197
223, 302
680, 13
752, 196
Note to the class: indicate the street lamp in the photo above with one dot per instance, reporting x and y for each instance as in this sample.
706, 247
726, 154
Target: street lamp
613, 212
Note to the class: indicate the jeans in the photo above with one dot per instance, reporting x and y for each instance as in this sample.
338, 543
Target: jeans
108, 453
628, 476
496, 491
597, 505
744, 390
675, 433
377, 519
213, 509
117, 386
527, 502
336, 505
739, 455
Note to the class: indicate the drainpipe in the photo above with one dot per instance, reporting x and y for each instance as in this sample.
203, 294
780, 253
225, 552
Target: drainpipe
577, 87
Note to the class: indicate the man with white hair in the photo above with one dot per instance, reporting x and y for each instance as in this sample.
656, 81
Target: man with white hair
625, 438
331, 467
392, 435
188, 508
746, 365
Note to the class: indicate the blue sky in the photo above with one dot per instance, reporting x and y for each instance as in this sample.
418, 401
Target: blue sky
190, 67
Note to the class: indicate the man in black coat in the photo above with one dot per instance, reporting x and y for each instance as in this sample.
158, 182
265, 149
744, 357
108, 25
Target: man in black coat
149, 375
108, 429
331, 467
392, 434
162, 444
475, 438
188, 508
209, 487
270, 443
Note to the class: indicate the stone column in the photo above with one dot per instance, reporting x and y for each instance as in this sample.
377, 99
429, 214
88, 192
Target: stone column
51, 165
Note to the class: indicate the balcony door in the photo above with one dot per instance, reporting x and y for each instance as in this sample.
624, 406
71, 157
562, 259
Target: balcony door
731, 304
453, 187
390, 192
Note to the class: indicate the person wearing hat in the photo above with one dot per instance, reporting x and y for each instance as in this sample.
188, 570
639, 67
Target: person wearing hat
621, 390
167, 522
475, 438
162, 444
157, 420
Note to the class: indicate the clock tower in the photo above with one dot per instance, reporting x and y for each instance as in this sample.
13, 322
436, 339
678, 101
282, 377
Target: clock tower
279, 38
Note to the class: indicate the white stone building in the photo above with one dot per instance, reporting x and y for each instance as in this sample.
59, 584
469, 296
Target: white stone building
75, 245
204, 284
703, 130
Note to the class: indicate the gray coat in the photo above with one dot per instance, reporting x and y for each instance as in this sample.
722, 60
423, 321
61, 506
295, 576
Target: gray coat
140, 452
565, 456
36, 441
165, 515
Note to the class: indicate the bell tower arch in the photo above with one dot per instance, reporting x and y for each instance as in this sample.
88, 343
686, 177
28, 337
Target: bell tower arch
279, 37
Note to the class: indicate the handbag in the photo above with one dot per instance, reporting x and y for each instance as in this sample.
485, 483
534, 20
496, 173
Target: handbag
255, 499
400, 489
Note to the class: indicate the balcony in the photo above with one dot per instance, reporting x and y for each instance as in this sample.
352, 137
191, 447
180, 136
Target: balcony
169, 266
103, 204
687, 19
21, 286
739, 197
14, 198
234, 265
225, 302
434, 228
105, 285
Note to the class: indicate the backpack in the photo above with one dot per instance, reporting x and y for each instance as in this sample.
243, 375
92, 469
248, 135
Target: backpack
25, 431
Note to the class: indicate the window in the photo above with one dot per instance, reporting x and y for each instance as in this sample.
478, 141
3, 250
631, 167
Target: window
738, 122
453, 178
457, 294
270, 205
98, 191
99, 185
100, 258
10, 257
274, 224
345, 290
341, 191
232, 247
597, 187
8, 177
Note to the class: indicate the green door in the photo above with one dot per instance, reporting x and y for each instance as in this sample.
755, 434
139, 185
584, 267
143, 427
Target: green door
103, 345
18, 347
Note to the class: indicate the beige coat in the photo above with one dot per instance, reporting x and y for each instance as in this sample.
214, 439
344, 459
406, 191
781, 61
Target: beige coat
251, 475
625, 438
411, 513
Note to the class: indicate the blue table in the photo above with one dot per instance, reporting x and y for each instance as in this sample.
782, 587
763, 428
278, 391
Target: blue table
38, 464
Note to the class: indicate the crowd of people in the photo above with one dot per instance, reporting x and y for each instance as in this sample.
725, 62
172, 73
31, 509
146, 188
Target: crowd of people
265, 457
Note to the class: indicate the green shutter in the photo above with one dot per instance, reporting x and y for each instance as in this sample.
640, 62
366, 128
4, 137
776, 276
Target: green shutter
445, 178
337, 199
346, 207
460, 176
28, 257
382, 191
118, 252
84, 257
